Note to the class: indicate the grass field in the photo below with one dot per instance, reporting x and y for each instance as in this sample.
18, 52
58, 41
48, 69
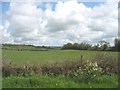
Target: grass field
38, 58
21, 57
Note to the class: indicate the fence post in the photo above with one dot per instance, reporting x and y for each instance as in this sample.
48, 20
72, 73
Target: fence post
81, 59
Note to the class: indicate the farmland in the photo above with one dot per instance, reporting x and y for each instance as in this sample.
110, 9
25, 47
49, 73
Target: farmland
21, 57
43, 67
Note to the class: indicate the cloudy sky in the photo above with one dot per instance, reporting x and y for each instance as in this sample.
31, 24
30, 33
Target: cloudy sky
57, 23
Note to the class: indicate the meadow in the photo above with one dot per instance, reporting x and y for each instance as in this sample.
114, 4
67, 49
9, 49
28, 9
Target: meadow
55, 68
39, 57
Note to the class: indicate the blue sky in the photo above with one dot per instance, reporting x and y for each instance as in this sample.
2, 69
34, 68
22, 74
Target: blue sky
5, 7
92, 4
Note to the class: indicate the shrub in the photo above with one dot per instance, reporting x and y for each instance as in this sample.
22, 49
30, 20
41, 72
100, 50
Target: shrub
88, 70
108, 63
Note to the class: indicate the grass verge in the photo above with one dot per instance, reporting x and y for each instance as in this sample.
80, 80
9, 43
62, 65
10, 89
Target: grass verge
36, 81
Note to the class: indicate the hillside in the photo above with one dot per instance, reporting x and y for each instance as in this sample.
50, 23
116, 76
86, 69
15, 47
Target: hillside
23, 47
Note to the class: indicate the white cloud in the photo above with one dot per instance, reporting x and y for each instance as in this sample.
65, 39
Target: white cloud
5, 36
70, 22
24, 21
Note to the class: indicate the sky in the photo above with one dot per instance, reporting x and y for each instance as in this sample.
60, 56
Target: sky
57, 23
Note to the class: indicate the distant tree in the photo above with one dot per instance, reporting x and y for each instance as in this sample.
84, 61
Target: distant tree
43, 46
75, 46
67, 46
95, 47
85, 46
104, 45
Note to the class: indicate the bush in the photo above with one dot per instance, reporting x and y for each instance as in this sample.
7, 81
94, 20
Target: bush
88, 70
108, 63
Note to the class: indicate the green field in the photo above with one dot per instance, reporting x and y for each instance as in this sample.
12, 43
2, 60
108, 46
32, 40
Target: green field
21, 57
37, 58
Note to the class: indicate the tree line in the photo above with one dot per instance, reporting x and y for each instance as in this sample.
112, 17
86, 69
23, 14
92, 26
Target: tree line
101, 45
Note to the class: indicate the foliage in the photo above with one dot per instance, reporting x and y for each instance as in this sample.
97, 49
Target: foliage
107, 62
81, 46
102, 46
88, 70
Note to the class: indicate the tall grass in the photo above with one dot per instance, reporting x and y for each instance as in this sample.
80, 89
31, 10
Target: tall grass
36, 81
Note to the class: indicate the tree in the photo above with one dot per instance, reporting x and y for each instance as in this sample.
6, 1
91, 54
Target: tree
67, 46
95, 47
104, 45
85, 46
76, 46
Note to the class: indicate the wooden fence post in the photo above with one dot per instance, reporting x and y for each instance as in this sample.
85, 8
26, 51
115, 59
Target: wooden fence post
81, 59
